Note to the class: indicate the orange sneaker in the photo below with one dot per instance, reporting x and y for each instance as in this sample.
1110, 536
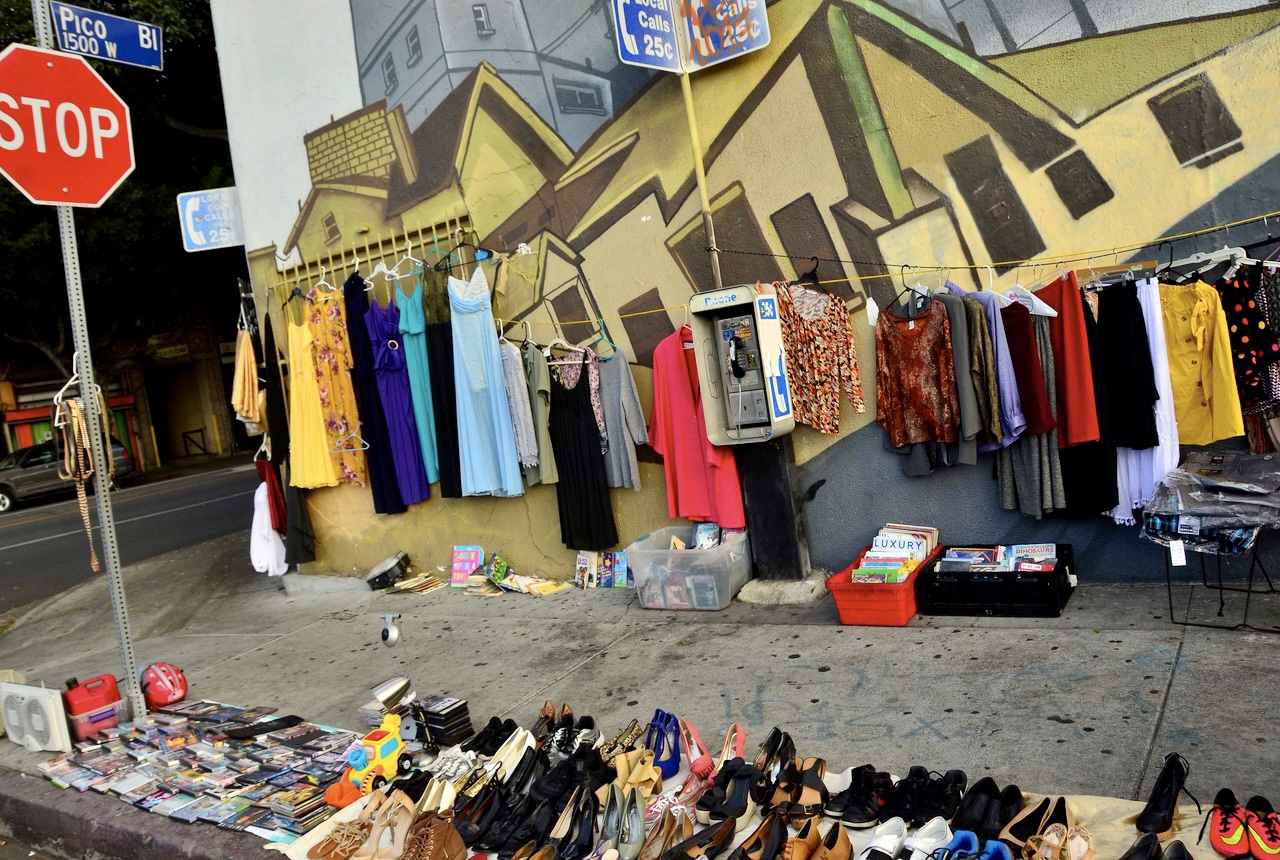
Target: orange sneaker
1264, 829
1228, 826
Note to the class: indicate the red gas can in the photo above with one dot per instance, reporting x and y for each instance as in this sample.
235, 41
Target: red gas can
93, 695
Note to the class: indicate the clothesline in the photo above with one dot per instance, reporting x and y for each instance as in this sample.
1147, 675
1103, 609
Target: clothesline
1044, 262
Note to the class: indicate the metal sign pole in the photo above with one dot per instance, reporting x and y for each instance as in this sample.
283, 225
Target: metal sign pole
700, 174
100, 451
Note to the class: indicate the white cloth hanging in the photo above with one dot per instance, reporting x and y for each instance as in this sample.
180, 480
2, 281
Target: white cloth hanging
266, 549
1140, 472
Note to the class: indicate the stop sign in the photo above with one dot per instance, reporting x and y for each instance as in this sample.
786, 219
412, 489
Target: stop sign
65, 136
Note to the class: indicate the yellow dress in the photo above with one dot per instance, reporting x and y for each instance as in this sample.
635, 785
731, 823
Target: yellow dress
331, 351
310, 463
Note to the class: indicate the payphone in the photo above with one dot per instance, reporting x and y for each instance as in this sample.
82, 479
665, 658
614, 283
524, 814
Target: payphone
737, 338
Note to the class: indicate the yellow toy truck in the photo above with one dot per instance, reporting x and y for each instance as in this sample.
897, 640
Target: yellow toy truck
380, 757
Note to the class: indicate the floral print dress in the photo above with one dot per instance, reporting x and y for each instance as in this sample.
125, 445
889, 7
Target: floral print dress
331, 355
821, 357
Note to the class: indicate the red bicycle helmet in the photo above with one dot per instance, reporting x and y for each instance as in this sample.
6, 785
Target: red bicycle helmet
162, 684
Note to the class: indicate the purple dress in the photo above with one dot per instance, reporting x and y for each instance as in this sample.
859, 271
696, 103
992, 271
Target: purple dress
397, 402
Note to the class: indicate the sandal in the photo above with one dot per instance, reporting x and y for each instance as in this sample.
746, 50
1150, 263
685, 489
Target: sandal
1079, 844
1027, 823
1046, 845
783, 788
810, 795
774, 756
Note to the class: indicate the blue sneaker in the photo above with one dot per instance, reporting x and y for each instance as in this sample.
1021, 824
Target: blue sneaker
995, 850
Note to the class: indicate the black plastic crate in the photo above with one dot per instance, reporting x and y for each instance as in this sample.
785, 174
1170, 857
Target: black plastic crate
1008, 593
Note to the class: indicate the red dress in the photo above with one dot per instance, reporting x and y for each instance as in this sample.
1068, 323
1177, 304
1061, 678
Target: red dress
1073, 373
702, 479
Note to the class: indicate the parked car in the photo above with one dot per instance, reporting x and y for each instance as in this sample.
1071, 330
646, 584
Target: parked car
29, 473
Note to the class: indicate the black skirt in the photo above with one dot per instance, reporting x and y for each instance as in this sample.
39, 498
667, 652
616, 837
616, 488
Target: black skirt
586, 511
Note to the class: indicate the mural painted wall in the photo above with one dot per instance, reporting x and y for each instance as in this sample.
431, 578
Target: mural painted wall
869, 134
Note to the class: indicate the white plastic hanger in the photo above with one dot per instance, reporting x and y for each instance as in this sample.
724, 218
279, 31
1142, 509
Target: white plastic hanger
1001, 299
1033, 303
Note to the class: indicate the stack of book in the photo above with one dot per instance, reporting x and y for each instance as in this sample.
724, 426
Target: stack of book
1018, 557
448, 719
896, 551
301, 808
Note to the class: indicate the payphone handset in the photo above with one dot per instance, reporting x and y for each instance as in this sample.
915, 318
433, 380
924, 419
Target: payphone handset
741, 373
738, 339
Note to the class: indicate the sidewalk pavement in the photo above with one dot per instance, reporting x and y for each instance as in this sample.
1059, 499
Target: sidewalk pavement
1087, 703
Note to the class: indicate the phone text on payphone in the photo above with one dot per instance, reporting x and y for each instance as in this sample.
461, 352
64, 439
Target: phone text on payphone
741, 374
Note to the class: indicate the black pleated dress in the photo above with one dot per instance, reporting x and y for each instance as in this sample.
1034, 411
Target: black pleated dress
586, 511
373, 421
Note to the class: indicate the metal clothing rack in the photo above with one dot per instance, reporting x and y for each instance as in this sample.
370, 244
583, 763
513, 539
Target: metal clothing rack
1255, 564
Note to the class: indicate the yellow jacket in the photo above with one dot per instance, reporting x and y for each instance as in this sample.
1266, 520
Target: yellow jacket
1205, 398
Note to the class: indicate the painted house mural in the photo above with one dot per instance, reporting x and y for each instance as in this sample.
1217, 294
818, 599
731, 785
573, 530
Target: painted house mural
869, 134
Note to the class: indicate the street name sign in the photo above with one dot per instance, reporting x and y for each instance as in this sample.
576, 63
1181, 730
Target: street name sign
108, 37
210, 219
65, 136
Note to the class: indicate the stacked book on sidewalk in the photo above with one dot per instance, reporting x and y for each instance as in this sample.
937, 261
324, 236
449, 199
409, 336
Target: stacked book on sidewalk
895, 551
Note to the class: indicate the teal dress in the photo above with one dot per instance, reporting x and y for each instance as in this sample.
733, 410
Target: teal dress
413, 335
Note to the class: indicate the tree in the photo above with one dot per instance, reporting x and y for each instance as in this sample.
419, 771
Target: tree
138, 280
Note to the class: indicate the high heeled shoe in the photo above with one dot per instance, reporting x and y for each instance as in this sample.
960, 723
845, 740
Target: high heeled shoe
655, 729
737, 802
695, 751
706, 844
735, 742
1145, 847
347, 836
631, 827
765, 843
777, 753
611, 818
531, 832
670, 830
715, 793
810, 795
544, 724
1161, 810
572, 834
394, 819
667, 757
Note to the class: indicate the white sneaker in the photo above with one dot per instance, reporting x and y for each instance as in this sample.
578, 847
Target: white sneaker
886, 841
933, 835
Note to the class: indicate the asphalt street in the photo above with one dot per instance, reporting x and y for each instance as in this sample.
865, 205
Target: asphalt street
44, 551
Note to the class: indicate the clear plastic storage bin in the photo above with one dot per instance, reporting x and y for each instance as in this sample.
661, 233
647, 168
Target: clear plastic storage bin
88, 724
668, 578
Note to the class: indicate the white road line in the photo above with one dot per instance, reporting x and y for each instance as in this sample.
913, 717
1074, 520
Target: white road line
130, 520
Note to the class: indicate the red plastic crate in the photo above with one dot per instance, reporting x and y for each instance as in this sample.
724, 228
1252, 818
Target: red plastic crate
871, 604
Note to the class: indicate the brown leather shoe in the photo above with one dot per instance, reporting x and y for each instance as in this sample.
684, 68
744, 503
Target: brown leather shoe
803, 845
433, 837
835, 845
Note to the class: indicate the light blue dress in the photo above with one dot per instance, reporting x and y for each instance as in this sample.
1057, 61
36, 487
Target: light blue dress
486, 442
413, 335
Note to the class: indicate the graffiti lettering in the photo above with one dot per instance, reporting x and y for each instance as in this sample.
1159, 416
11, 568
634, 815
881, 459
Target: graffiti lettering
716, 30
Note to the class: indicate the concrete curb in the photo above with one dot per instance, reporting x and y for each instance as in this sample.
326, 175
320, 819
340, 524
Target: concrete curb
66, 823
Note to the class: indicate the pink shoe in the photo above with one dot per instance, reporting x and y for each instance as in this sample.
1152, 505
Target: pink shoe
695, 751
682, 800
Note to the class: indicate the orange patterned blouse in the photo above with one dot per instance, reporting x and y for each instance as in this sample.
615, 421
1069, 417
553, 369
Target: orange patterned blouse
821, 356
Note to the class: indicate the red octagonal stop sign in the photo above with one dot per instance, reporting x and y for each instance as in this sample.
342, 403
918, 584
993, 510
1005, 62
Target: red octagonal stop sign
65, 136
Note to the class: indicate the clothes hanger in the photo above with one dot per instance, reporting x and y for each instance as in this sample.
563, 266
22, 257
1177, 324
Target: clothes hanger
602, 336
1030, 300
358, 445
481, 255
809, 279
917, 290
502, 336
